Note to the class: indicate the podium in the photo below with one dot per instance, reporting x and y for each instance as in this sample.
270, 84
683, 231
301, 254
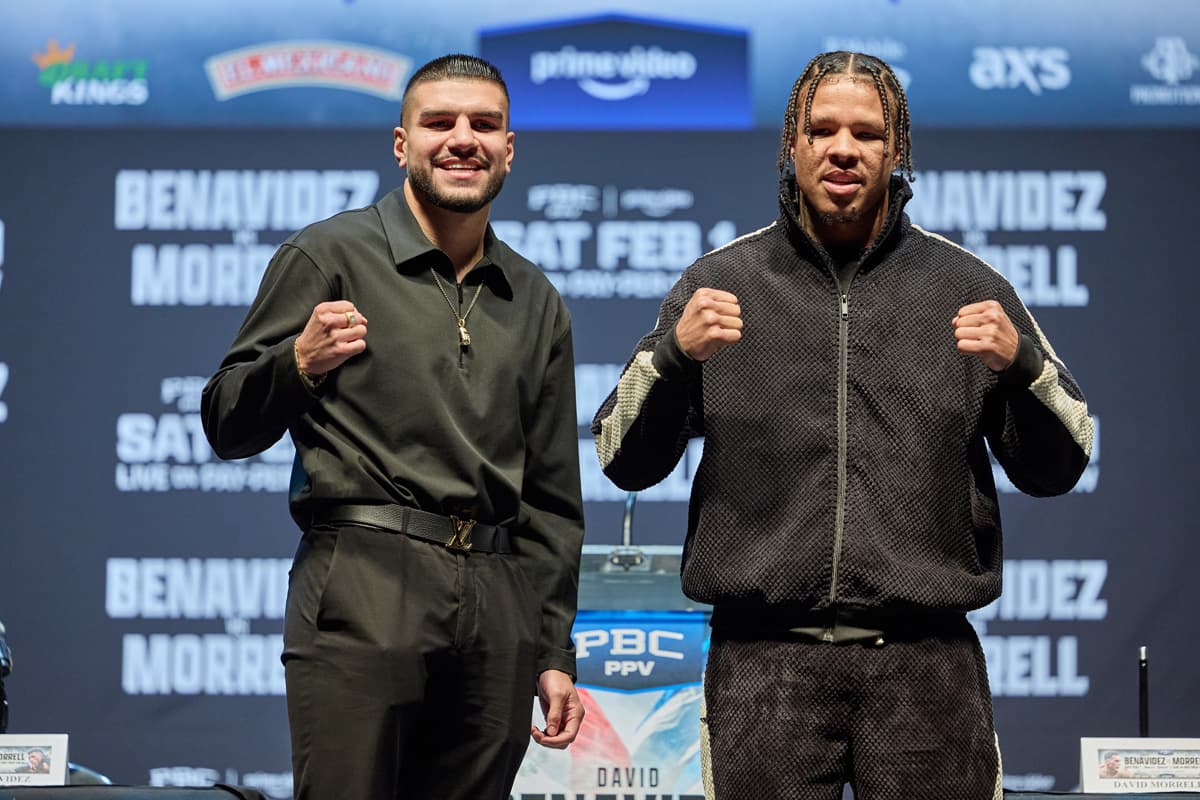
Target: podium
640, 652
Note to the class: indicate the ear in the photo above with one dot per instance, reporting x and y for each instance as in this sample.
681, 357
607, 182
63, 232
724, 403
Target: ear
399, 147
895, 158
796, 139
508, 153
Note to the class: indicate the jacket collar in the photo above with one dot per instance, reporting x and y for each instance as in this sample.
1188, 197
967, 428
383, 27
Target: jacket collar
894, 227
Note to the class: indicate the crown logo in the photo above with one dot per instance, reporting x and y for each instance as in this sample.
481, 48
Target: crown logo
54, 55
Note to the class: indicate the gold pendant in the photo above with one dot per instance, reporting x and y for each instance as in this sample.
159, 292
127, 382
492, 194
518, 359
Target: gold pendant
464, 338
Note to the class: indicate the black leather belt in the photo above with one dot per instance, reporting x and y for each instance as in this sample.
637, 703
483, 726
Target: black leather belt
452, 532
838, 624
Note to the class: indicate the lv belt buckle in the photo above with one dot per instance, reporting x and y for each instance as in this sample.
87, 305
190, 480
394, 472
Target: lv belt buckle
461, 538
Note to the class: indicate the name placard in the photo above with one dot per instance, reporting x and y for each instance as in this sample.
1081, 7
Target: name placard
1111, 765
33, 759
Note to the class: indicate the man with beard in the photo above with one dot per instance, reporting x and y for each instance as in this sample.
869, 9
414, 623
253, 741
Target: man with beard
38, 763
436, 478
845, 369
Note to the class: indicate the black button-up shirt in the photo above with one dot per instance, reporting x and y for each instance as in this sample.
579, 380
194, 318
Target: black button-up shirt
488, 430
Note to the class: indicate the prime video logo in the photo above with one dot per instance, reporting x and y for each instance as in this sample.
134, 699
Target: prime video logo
611, 75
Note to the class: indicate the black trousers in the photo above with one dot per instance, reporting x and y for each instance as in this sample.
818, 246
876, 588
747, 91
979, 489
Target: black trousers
409, 668
795, 719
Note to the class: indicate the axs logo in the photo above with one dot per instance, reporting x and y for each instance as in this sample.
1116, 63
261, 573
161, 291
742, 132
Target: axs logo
1035, 68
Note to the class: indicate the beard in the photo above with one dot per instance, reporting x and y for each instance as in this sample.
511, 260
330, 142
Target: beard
422, 181
848, 217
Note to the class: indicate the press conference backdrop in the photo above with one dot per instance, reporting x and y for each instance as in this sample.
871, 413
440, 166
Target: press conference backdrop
151, 162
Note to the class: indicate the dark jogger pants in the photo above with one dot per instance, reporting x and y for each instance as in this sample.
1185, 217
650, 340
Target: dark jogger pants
409, 667
794, 719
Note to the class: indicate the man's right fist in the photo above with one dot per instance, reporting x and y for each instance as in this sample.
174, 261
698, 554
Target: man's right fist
711, 320
334, 332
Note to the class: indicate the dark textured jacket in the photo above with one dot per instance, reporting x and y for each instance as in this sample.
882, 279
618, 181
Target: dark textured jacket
844, 460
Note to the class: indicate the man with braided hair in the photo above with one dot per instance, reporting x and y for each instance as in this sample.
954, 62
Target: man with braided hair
847, 371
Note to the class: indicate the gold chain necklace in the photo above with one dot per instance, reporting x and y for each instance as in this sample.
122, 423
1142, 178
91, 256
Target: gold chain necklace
464, 338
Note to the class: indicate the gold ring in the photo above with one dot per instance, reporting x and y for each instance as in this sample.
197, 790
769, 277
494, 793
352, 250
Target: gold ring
351, 319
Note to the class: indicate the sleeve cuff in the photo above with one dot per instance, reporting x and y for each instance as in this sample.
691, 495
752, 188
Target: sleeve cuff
671, 362
288, 385
1025, 368
561, 660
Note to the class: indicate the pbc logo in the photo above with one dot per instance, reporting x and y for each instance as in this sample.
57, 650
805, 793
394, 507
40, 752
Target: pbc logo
563, 200
627, 648
1035, 68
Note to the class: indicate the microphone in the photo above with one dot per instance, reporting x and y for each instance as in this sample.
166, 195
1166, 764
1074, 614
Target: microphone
6, 659
6, 663
626, 557
1143, 691
626, 522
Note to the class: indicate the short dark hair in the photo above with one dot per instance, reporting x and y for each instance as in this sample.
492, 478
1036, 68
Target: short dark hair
456, 66
842, 62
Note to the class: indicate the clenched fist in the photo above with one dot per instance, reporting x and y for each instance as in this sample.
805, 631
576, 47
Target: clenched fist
985, 331
334, 333
712, 319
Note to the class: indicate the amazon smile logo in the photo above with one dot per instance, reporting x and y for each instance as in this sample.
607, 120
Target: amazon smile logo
610, 74
618, 72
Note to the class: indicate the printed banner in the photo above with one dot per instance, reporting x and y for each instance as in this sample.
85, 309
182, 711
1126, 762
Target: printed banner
640, 682
1143, 764
1069, 64
144, 578
33, 760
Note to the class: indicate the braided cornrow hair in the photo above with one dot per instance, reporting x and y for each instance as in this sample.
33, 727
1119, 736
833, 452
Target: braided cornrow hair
842, 62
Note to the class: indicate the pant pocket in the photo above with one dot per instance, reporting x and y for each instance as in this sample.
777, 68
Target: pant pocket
307, 580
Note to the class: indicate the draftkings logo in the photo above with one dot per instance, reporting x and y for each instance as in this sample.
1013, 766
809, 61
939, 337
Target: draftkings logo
1171, 63
110, 82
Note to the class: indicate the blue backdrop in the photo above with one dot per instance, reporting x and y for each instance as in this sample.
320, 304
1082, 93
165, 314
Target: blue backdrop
149, 166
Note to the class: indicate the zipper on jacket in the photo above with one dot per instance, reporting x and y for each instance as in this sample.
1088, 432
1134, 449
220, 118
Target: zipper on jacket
843, 369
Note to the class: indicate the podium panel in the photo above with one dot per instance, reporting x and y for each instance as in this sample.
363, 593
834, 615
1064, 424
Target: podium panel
640, 682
